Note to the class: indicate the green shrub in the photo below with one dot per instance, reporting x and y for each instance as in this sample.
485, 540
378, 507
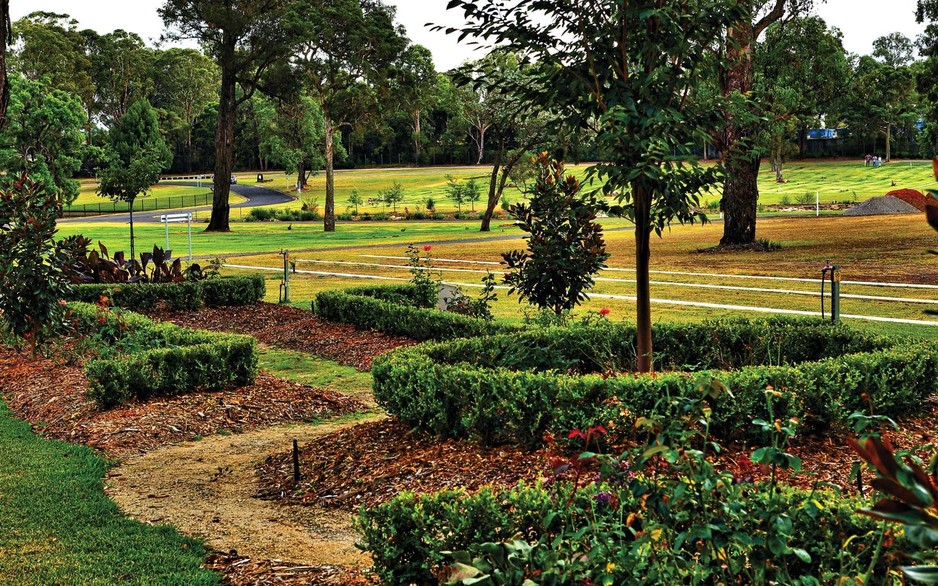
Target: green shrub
158, 359
235, 290
185, 295
407, 535
401, 311
517, 387
261, 215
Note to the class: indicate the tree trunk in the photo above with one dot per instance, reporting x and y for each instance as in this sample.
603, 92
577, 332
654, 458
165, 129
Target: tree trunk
493, 192
189, 148
642, 200
417, 136
224, 153
132, 228
741, 192
802, 140
6, 38
888, 141
329, 213
739, 208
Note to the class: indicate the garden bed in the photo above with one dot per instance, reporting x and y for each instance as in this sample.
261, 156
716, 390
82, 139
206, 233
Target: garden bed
52, 396
517, 388
292, 328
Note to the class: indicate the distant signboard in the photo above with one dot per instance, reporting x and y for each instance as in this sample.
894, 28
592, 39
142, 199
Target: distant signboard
822, 134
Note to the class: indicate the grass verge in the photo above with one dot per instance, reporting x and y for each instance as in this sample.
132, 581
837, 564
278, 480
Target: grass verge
58, 527
316, 372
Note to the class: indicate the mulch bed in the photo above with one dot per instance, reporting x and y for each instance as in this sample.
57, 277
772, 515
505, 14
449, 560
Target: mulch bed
243, 571
288, 327
372, 462
51, 396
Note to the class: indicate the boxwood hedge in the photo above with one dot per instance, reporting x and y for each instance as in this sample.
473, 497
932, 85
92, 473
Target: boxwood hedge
400, 310
517, 387
159, 359
233, 290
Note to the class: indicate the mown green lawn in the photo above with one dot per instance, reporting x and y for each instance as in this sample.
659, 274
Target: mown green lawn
834, 181
58, 527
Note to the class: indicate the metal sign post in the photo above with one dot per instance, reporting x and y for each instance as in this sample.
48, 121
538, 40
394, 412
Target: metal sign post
167, 219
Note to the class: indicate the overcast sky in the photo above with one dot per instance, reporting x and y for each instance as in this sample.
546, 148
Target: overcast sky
861, 21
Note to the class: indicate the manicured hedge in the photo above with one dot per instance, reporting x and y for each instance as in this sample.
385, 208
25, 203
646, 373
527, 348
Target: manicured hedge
186, 295
407, 536
400, 311
160, 359
517, 387
235, 290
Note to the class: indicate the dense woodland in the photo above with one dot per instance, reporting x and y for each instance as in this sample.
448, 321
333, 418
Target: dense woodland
413, 114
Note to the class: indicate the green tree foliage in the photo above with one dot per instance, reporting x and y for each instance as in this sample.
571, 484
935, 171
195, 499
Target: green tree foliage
246, 38
625, 69
43, 137
137, 157
801, 70
185, 83
291, 132
927, 78
455, 192
414, 82
31, 278
565, 243
122, 70
392, 196
348, 43
736, 138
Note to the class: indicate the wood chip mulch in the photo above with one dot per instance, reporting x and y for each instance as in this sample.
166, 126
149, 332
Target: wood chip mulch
51, 396
243, 571
372, 462
291, 328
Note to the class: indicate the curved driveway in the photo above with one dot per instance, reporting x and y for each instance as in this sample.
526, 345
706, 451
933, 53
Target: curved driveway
254, 197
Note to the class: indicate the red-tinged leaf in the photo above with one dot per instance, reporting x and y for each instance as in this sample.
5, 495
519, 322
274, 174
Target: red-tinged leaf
899, 512
891, 487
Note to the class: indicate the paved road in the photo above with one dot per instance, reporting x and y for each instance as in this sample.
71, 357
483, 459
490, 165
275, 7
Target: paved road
254, 197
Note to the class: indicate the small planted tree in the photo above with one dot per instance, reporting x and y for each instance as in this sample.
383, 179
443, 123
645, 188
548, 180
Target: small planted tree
472, 193
392, 195
565, 243
355, 200
32, 281
455, 192
137, 156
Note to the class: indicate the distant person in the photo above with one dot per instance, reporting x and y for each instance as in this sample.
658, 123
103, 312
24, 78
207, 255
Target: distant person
867, 160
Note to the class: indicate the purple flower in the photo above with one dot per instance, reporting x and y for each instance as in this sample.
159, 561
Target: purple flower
603, 499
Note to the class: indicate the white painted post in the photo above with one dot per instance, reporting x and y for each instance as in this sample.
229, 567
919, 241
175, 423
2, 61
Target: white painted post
189, 221
166, 223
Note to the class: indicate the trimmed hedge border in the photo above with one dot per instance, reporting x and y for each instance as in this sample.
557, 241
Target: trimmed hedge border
234, 290
516, 388
171, 361
407, 535
399, 310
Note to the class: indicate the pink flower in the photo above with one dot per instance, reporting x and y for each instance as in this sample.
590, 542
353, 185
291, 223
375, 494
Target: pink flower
604, 312
427, 248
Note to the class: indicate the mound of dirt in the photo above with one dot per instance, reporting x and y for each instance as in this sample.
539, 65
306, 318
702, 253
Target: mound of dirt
914, 197
878, 206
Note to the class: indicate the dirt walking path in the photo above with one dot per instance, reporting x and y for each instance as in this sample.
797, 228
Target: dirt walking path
205, 489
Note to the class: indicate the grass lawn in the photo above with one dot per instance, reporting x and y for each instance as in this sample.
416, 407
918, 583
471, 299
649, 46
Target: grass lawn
316, 372
58, 527
89, 196
835, 181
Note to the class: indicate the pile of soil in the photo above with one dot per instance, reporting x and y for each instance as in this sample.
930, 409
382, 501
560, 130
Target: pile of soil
914, 197
51, 395
877, 206
288, 327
